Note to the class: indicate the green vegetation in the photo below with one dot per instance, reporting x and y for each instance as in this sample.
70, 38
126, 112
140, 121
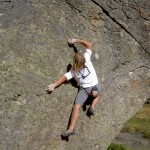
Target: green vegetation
114, 146
140, 123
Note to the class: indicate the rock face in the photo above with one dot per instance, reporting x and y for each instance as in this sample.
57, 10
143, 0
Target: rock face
34, 53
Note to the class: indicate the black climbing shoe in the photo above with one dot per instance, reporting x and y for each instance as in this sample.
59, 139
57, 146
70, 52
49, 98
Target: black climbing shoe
91, 111
68, 133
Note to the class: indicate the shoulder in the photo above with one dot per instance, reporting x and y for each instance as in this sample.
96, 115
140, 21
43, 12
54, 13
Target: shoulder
87, 54
70, 74
89, 51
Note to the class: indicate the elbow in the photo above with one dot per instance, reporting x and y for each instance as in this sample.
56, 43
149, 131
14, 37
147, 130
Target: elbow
89, 45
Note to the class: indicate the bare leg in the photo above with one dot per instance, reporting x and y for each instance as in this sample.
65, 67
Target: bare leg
74, 116
95, 102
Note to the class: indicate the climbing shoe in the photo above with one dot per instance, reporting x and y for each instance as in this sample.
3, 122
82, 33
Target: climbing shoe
68, 133
91, 111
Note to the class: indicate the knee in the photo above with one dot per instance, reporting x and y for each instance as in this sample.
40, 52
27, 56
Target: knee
76, 106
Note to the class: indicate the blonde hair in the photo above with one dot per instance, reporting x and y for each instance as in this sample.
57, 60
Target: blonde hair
78, 62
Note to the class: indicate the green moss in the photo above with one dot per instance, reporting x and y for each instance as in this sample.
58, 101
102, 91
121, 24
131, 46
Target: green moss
147, 134
114, 146
140, 123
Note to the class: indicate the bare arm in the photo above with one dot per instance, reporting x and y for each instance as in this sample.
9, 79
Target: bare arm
61, 80
83, 42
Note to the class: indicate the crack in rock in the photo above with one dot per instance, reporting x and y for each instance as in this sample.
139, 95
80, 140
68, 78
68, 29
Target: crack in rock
73, 6
6, 1
118, 23
79, 11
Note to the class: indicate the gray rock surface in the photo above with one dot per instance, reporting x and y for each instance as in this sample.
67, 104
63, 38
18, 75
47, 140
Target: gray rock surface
34, 53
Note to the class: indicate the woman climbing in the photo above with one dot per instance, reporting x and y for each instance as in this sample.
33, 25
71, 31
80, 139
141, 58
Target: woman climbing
84, 73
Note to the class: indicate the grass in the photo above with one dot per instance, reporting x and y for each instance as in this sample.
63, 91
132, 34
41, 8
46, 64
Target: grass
140, 123
114, 146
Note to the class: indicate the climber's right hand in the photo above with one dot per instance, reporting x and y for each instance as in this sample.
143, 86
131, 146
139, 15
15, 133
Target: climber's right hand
50, 87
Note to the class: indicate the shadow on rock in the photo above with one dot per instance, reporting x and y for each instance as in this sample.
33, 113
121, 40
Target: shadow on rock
65, 138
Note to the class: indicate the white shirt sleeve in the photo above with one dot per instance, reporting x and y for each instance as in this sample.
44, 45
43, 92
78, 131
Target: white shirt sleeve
69, 75
87, 55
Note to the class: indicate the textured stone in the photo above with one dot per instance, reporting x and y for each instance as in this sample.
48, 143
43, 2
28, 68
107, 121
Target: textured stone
34, 53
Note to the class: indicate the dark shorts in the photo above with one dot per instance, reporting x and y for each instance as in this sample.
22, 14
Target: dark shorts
84, 93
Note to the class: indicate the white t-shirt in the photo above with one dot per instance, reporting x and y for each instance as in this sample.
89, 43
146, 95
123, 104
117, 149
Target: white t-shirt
87, 76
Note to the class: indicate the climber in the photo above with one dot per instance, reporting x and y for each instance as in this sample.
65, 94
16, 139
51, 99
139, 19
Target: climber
84, 73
